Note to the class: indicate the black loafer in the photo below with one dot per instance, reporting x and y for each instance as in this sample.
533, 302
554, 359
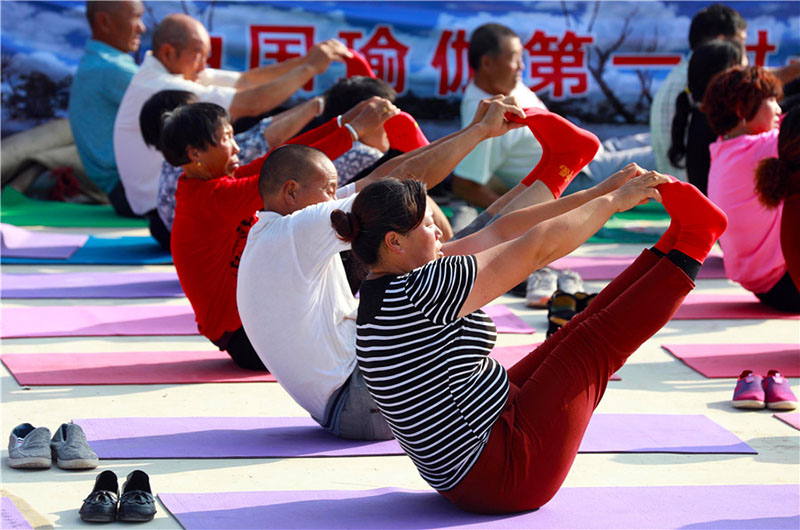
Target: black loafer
101, 504
137, 503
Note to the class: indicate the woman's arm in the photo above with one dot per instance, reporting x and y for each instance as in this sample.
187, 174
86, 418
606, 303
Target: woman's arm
514, 224
507, 264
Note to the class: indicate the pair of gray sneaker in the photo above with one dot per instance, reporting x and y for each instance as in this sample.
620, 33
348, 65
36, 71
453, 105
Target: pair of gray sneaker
31, 447
545, 281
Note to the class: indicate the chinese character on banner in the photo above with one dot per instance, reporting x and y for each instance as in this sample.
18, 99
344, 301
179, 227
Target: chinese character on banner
761, 48
385, 54
452, 51
553, 62
273, 44
215, 57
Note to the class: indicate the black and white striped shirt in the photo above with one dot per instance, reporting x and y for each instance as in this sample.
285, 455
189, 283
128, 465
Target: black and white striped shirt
428, 370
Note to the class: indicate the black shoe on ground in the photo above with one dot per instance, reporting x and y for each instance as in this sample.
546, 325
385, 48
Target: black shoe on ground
137, 503
560, 309
101, 504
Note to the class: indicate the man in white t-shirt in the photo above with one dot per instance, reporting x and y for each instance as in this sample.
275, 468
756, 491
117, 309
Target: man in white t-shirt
177, 62
495, 55
292, 293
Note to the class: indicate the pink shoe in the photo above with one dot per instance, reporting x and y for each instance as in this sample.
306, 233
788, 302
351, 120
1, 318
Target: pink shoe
749, 392
778, 392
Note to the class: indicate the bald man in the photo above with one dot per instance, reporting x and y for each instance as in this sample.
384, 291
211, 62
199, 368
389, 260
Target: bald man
103, 75
178, 62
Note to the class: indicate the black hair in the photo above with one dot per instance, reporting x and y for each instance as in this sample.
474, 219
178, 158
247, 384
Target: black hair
386, 205
100, 6
707, 60
153, 110
711, 22
350, 91
193, 125
486, 40
290, 161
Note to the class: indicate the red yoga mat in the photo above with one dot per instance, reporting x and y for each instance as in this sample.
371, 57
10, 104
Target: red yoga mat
729, 360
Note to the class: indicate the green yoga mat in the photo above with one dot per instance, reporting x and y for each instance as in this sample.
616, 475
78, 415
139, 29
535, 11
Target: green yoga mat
17, 209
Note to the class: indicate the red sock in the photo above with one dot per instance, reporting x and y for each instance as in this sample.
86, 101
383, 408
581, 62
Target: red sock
404, 133
566, 149
701, 221
358, 65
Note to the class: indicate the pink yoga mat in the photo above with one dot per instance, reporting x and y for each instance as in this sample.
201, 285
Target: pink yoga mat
699, 306
157, 367
92, 285
729, 360
102, 320
789, 418
135, 320
752, 506
609, 267
243, 437
506, 321
128, 368
17, 242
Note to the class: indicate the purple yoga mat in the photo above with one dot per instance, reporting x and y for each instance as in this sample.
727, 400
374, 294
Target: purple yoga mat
700, 306
100, 320
135, 320
789, 418
245, 437
506, 321
128, 368
17, 242
92, 285
647, 507
609, 267
11, 516
729, 360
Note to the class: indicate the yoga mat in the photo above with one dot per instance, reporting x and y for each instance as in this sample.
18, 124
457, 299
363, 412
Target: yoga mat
128, 368
789, 418
135, 320
92, 285
11, 516
127, 250
97, 320
19, 243
729, 360
700, 306
248, 437
23, 211
510, 355
647, 507
156, 368
506, 321
609, 267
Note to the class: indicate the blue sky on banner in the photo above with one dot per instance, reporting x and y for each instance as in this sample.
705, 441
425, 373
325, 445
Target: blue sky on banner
48, 36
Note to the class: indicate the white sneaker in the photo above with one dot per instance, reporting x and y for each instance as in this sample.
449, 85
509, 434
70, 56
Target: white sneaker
569, 281
541, 285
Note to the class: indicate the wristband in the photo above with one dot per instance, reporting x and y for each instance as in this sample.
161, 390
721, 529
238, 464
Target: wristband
339, 120
352, 130
320, 106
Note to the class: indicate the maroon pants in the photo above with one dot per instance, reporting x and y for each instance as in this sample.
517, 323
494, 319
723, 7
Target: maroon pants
556, 388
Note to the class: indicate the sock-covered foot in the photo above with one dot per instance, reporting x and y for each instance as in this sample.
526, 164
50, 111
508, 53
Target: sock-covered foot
404, 133
701, 221
566, 149
670, 237
358, 65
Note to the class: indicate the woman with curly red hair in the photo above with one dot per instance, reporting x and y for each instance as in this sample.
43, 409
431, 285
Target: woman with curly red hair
778, 184
741, 105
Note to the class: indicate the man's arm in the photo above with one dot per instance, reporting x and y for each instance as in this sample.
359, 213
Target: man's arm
266, 74
261, 98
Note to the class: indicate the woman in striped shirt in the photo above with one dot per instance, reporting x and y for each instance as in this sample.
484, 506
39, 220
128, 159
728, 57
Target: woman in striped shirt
493, 441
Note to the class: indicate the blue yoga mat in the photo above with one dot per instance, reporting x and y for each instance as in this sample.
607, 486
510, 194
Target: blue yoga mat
127, 250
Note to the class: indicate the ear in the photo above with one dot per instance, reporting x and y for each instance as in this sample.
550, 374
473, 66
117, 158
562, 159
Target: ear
193, 154
102, 21
393, 242
486, 61
289, 191
167, 54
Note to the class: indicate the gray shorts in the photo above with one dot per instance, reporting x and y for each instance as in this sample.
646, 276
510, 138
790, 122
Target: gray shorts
353, 414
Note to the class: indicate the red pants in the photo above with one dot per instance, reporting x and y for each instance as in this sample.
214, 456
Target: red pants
556, 388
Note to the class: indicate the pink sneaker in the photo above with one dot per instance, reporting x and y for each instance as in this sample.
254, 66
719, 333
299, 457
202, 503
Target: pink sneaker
778, 392
749, 392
